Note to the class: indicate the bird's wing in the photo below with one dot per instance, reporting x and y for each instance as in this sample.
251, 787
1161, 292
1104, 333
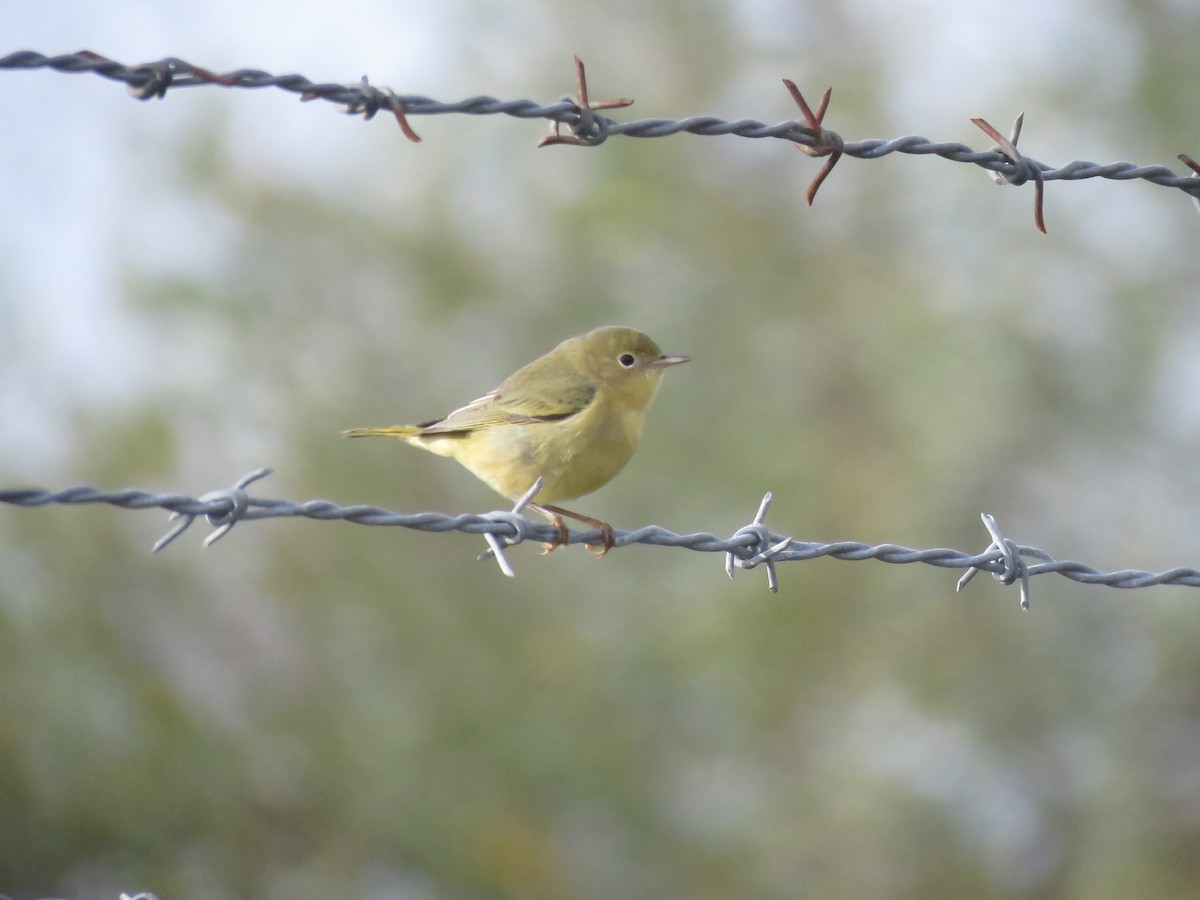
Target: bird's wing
550, 397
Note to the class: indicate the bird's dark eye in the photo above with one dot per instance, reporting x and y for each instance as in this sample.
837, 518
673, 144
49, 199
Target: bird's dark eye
627, 359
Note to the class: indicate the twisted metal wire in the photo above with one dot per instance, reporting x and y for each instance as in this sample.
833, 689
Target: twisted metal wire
750, 546
154, 79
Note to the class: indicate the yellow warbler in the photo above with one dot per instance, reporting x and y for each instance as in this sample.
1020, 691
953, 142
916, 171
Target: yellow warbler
572, 417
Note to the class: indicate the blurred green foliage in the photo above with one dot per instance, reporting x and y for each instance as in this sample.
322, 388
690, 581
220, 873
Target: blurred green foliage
317, 709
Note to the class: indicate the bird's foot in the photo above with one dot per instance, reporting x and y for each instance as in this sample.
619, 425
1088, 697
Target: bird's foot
608, 538
562, 535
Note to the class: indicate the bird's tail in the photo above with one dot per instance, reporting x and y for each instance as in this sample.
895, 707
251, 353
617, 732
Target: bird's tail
400, 431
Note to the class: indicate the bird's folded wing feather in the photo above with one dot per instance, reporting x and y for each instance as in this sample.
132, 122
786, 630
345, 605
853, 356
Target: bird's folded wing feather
551, 399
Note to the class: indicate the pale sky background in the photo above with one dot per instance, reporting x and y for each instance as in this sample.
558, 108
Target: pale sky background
73, 187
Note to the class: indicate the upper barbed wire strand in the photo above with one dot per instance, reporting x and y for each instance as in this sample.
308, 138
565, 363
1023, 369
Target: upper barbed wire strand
154, 79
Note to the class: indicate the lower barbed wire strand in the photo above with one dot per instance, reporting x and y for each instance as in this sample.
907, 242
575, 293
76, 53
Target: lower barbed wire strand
747, 548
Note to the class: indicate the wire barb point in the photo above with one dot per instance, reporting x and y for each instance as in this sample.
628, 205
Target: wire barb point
234, 502
588, 129
825, 142
519, 523
1006, 554
760, 550
370, 100
1023, 167
158, 79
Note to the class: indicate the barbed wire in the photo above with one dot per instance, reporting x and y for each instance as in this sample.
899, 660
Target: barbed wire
748, 547
590, 128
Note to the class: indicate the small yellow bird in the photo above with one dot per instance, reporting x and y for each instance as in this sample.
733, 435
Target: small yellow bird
572, 417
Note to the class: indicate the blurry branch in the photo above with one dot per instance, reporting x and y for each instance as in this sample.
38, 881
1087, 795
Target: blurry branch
750, 546
589, 128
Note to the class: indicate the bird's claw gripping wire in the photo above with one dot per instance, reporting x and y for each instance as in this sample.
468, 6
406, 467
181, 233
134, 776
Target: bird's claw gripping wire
825, 142
517, 520
764, 550
235, 499
1008, 553
1024, 168
587, 128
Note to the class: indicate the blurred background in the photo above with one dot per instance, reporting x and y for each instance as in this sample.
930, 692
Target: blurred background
195, 287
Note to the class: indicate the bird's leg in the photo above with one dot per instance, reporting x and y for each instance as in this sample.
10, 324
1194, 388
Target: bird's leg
555, 515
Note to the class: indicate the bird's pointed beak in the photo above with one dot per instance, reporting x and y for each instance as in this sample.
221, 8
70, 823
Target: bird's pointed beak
666, 360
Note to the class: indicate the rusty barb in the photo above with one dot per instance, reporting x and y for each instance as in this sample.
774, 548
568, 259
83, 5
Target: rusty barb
152, 80
825, 142
1023, 167
588, 129
373, 100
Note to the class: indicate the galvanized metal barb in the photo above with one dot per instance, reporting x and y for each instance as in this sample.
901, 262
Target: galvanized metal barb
589, 127
519, 523
238, 503
1008, 555
762, 550
748, 547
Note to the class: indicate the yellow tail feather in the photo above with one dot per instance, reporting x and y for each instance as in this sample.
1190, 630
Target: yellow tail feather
400, 431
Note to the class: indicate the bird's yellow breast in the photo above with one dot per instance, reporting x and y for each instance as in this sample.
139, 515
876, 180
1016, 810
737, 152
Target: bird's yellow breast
575, 455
